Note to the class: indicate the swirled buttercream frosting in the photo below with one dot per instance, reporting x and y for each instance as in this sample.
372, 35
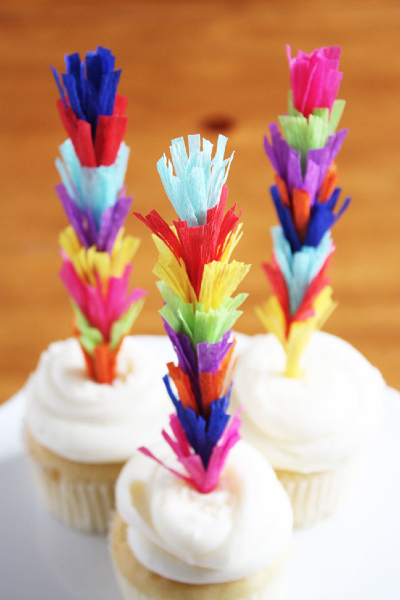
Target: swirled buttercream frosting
91, 422
313, 422
242, 526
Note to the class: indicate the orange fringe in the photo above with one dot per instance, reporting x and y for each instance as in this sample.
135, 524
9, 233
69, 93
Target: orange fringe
283, 192
212, 386
101, 367
329, 183
301, 211
182, 382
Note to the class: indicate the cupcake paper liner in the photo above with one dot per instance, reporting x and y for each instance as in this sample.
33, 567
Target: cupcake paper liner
80, 495
85, 506
316, 496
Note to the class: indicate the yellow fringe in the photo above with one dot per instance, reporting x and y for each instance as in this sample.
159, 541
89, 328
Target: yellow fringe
273, 319
89, 262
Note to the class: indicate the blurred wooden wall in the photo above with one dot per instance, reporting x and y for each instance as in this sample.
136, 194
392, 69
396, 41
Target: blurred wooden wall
205, 67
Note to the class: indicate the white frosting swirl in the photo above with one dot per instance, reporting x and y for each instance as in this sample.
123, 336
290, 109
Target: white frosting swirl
91, 422
239, 528
311, 423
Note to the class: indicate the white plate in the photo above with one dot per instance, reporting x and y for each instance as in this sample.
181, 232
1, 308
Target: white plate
352, 556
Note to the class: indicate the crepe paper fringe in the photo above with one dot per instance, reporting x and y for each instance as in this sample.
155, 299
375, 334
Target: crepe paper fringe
193, 320
299, 269
273, 317
90, 337
102, 365
308, 227
90, 109
102, 237
305, 134
202, 478
314, 78
96, 255
203, 374
305, 196
304, 307
101, 356
202, 433
197, 282
196, 187
101, 310
287, 163
90, 264
92, 189
220, 280
198, 246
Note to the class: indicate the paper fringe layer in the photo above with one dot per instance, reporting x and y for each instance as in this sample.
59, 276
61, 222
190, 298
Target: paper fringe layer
96, 256
90, 109
305, 197
197, 283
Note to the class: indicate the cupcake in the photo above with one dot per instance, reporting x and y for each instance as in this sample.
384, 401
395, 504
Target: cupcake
79, 432
169, 540
311, 402
92, 398
217, 523
312, 429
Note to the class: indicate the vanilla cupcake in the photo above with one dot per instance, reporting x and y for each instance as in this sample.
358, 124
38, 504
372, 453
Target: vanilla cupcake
169, 540
92, 399
206, 518
311, 401
79, 433
313, 429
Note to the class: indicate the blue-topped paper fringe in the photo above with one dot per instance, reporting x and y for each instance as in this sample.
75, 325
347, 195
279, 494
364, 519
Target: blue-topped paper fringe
92, 188
196, 187
94, 94
202, 435
299, 268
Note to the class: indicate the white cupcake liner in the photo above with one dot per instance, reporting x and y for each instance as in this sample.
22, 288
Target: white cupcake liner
81, 505
316, 496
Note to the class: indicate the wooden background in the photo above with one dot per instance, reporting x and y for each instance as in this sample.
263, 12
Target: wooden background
203, 67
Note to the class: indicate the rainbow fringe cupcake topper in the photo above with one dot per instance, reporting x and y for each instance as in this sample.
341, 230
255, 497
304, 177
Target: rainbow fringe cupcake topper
96, 255
197, 282
305, 197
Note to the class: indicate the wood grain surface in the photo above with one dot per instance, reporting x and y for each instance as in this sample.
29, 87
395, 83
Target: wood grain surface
204, 67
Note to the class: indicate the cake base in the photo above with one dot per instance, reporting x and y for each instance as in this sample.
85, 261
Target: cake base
80, 495
138, 583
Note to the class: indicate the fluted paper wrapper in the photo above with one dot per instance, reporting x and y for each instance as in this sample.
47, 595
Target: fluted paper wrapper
315, 496
138, 583
81, 505
80, 495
